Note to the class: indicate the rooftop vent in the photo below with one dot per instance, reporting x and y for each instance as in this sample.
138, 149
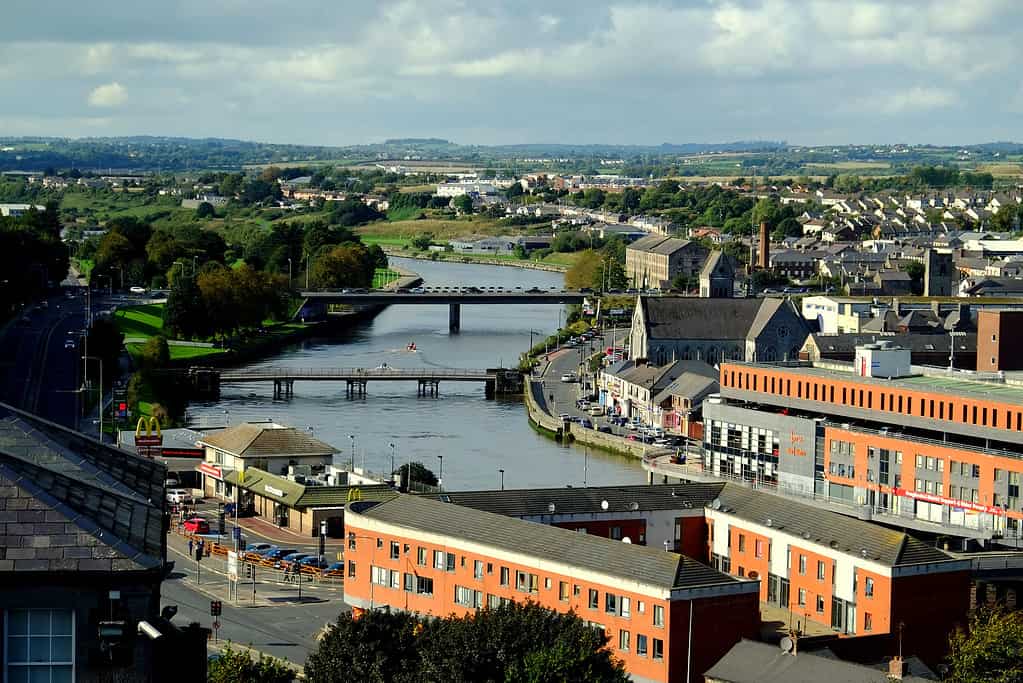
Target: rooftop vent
551, 507
604, 505
633, 506
769, 522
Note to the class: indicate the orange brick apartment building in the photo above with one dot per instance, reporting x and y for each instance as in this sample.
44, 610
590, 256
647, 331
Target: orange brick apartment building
437, 558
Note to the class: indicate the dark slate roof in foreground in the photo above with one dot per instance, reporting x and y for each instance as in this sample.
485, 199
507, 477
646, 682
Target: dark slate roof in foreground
566, 501
69, 503
840, 532
622, 561
693, 318
752, 662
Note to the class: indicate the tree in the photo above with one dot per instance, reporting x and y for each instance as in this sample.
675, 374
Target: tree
513, 642
236, 666
155, 353
184, 314
463, 203
990, 651
584, 271
423, 240
348, 265
420, 475
105, 341
204, 210
916, 271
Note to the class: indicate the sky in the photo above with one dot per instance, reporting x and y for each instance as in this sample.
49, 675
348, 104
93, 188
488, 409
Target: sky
338, 72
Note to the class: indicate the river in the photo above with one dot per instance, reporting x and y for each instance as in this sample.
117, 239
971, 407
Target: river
476, 437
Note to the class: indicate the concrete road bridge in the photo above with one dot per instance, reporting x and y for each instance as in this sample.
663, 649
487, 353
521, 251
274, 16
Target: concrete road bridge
454, 299
496, 381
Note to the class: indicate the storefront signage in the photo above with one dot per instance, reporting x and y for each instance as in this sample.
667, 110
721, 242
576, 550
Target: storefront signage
941, 500
211, 470
273, 491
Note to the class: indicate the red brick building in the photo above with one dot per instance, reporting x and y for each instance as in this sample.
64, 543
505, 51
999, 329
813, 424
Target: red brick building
437, 558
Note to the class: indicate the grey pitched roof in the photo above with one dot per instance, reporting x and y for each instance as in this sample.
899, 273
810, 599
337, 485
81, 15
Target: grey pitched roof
72, 504
691, 384
841, 533
692, 318
658, 244
567, 501
614, 559
916, 343
250, 440
752, 662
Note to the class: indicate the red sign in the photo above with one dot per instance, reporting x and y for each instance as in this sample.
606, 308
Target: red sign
148, 440
941, 500
211, 470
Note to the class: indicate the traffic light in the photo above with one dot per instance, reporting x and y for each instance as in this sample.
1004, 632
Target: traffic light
220, 523
248, 570
215, 608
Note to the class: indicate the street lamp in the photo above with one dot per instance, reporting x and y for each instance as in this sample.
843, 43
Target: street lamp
195, 260
352, 465
392, 460
440, 474
289, 273
85, 386
502, 478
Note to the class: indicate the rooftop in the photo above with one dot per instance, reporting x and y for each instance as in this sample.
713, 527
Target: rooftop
956, 384
264, 439
615, 559
296, 495
71, 504
692, 318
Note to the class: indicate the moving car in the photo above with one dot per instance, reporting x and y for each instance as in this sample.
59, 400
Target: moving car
279, 553
295, 557
335, 567
258, 547
313, 561
567, 377
197, 525
137, 290
179, 497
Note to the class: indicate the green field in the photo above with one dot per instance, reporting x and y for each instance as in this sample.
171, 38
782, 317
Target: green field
140, 321
179, 352
85, 266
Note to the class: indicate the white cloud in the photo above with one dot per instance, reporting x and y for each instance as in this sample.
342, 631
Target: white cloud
108, 95
918, 98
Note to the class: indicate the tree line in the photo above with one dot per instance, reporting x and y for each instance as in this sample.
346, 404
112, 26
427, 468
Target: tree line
32, 257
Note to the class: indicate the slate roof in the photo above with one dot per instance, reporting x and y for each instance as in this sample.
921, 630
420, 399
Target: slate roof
567, 501
68, 503
620, 561
916, 343
692, 318
841, 533
691, 384
263, 439
299, 495
658, 244
752, 662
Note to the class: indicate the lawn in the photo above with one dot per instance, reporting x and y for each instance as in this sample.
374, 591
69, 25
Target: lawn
442, 229
140, 321
85, 266
180, 352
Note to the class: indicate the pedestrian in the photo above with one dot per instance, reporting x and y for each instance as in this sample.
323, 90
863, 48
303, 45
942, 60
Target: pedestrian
189, 547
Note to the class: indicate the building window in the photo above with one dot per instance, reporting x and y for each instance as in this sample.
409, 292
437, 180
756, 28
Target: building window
451, 562
410, 582
424, 585
641, 645
625, 609
380, 543
623, 640
802, 564
395, 550
504, 576
467, 597
658, 649
351, 569
659, 616
593, 599
611, 603
40, 645
758, 549
820, 570
351, 541
477, 570
802, 597
868, 622
438, 560
820, 604
421, 556
616, 533
868, 587
742, 543
562, 590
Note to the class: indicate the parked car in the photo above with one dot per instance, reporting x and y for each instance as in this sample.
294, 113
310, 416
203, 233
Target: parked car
313, 561
197, 525
335, 567
568, 378
585, 423
279, 553
258, 547
595, 410
263, 551
295, 557
179, 497
605, 429
137, 290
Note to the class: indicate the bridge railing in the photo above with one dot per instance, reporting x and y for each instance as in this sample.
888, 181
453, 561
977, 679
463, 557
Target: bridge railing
350, 373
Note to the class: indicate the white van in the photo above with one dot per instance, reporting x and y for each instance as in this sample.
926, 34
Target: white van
179, 497
595, 410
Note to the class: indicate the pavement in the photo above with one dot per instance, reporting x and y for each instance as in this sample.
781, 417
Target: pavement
277, 622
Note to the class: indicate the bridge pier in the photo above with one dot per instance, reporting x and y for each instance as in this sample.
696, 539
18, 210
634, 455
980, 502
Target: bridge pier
428, 387
355, 388
454, 317
284, 389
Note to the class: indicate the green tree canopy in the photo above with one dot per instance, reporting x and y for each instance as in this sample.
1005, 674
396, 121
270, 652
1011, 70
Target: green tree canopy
420, 475
513, 642
990, 651
237, 666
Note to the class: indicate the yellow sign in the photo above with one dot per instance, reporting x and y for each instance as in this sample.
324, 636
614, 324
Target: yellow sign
354, 495
152, 428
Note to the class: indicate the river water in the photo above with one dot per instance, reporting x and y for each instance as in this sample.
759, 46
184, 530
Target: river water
476, 437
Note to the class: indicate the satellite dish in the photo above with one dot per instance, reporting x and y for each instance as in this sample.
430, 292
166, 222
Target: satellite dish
626, 540
633, 506
715, 504
604, 505
551, 508
785, 644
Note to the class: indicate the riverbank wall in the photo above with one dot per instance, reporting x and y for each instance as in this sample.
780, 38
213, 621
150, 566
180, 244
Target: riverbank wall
479, 260
563, 431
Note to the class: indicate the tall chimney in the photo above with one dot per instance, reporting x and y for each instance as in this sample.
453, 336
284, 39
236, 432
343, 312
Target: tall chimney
764, 248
